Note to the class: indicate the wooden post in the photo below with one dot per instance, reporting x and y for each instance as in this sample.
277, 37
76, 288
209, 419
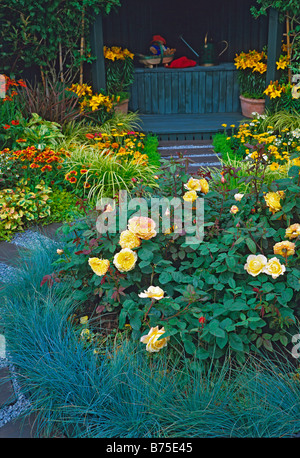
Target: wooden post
98, 66
274, 46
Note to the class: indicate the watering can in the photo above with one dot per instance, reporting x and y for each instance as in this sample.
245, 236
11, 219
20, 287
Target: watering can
209, 54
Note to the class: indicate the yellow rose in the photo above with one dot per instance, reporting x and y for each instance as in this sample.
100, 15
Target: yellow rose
272, 200
142, 227
190, 196
234, 209
255, 264
284, 248
293, 231
99, 266
204, 186
129, 240
154, 292
125, 260
193, 184
59, 251
274, 268
152, 342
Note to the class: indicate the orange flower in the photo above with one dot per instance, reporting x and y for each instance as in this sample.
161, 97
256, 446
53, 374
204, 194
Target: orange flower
86, 185
21, 140
82, 171
72, 180
89, 136
73, 172
115, 145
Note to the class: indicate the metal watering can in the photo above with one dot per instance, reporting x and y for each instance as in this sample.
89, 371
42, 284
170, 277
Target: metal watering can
209, 54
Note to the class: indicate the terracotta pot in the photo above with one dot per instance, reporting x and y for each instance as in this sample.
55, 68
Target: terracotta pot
252, 105
122, 107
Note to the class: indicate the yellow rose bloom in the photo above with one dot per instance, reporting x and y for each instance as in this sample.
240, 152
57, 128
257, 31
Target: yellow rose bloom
274, 268
272, 200
193, 184
129, 240
125, 260
234, 209
190, 196
204, 186
284, 248
142, 227
255, 264
152, 342
99, 266
153, 292
293, 231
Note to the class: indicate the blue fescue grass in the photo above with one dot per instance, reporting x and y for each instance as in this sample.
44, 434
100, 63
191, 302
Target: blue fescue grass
123, 391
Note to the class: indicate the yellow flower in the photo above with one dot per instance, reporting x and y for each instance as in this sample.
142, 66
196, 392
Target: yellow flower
152, 342
142, 227
255, 264
190, 196
59, 251
204, 186
272, 200
99, 266
193, 184
284, 248
234, 209
84, 319
293, 231
274, 268
154, 292
129, 240
274, 166
296, 161
125, 260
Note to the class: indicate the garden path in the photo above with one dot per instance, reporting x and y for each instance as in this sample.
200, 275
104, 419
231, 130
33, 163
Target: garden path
200, 153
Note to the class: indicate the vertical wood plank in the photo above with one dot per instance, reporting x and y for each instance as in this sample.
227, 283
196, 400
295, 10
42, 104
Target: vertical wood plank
154, 92
216, 91
147, 93
168, 93
222, 92
201, 92
181, 92
188, 92
98, 65
209, 92
194, 91
175, 92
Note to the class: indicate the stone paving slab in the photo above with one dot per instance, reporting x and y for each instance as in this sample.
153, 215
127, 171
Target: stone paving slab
7, 393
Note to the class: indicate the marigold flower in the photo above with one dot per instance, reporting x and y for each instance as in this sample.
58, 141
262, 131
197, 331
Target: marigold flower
152, 342
255, 264
274, 268
284, 248
293, 231
153, 292
125, 260
129, 240
99, 266
142, 226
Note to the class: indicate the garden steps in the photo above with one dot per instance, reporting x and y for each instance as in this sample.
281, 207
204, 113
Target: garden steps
12, 401
200, 153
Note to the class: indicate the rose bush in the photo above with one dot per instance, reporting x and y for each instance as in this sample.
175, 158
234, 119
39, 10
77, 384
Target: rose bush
239, 289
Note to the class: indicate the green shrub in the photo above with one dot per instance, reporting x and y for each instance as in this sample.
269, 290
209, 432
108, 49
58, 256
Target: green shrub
20, 207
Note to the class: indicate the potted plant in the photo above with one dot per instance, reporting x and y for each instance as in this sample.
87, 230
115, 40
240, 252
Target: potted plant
252, 68
119, 75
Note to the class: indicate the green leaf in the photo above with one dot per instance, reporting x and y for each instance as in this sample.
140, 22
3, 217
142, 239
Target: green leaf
189, 347
235, 342
251, 245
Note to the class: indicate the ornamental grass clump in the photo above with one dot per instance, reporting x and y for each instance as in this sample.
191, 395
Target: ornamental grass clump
80, 388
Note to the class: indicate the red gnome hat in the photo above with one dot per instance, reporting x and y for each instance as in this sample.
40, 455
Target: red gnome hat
158, 38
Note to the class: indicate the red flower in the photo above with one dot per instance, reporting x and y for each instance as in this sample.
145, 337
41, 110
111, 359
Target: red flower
202, 319
15, 123
6, 126
89, 136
